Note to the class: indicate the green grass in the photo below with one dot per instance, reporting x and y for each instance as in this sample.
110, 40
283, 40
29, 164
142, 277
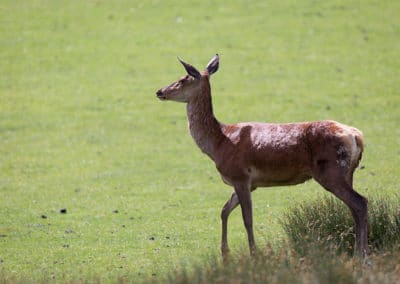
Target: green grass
80, 127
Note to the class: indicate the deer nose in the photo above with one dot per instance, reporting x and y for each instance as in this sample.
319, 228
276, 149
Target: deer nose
161, 95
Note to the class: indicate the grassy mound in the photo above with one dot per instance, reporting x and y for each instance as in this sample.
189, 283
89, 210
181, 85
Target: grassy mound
327, 222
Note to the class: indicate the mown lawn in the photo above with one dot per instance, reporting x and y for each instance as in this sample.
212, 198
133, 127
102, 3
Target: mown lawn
82, 130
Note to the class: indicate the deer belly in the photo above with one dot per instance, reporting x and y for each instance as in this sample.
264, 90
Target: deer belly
271, 178
279, 172
267, 177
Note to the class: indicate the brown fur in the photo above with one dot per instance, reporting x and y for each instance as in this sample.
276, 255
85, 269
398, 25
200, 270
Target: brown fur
251, 155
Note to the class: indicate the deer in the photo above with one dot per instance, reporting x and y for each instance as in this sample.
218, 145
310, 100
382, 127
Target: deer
249, 155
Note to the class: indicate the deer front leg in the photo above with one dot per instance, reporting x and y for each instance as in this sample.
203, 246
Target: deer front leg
231, 204
244, 195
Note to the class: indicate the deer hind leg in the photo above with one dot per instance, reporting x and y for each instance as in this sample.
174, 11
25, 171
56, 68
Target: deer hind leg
337, 179
229, 206
244, 194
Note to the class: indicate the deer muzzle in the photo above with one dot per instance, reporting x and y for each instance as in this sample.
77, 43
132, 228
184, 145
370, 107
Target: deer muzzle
161, 95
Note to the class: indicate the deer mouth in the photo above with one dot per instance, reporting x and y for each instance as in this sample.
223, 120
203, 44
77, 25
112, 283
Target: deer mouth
161, 95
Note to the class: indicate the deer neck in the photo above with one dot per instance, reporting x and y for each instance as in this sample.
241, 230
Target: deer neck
204, 127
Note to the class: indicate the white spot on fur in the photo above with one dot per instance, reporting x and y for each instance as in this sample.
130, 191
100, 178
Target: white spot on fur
342, 163
342, 153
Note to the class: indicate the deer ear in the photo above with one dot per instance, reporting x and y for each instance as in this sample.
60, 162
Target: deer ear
190, 69
213, 65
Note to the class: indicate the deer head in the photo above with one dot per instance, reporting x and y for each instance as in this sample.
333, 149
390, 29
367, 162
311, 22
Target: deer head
190, 85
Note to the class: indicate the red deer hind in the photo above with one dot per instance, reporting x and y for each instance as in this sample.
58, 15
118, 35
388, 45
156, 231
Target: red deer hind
249, 155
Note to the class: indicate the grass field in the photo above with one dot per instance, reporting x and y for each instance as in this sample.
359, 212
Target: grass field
82, 130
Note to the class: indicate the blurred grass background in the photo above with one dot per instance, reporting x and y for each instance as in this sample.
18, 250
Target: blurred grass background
81, 129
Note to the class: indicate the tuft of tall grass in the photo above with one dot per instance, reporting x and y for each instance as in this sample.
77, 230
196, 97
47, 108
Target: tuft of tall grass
327, 223
384, 218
